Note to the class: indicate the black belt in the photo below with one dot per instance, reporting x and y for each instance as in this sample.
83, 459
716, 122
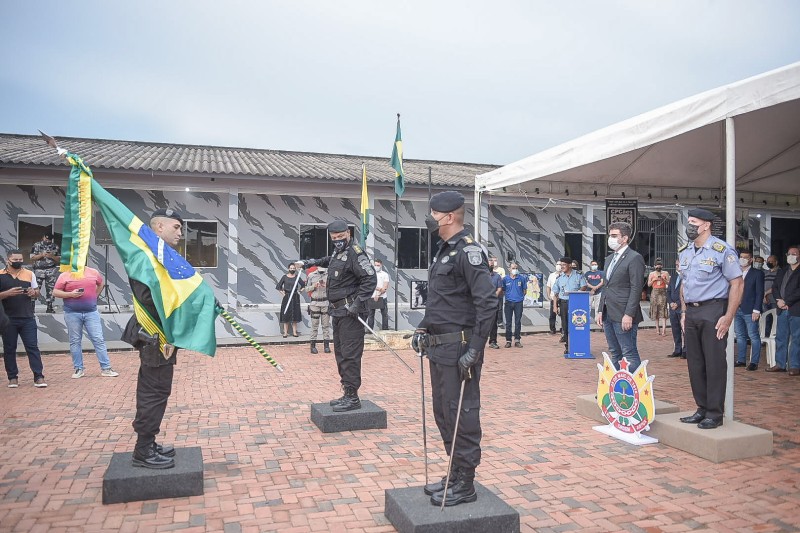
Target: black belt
449, 338
706, 302
319, 299
341, 303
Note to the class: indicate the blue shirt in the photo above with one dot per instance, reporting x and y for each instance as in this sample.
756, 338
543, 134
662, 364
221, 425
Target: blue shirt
497, 280
593, 279
566, 283
515, 288
706, 272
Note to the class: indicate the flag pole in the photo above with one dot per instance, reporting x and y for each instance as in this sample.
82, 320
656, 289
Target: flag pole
396, 266
426, 212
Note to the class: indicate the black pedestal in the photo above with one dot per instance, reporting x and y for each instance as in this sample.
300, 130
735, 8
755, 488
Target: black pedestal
410, 511
370, 416
124, 482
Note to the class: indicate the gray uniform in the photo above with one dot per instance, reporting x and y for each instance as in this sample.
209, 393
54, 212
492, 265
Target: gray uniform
46, 268
318, 308
707, 273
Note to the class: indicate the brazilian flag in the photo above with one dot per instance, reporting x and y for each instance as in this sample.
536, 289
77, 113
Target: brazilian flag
397, 162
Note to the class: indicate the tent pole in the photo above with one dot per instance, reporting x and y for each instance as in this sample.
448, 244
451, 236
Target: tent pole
730, 236
477, 207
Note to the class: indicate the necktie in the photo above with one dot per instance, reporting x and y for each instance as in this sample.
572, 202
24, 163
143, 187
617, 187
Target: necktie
613, 264
678, 281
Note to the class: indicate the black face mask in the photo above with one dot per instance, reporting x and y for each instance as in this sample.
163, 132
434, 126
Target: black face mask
692, 231
658, 269
433, 226
770, 264
292, 271
16, 264
339, 244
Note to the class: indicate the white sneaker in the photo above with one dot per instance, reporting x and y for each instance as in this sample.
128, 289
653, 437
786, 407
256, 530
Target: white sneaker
109, 373
40, 383
78, 373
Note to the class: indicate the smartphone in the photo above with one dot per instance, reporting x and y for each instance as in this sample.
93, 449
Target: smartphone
80, 289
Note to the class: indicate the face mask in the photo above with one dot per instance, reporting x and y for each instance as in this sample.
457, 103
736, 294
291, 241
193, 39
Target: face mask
743, 262
770, 264
18, 264
433, 225
594, 267
790, 258
292, 271
378, 268
692, 232
658, 269
514, 271
558, 267
339, 244
613, 243
758, 264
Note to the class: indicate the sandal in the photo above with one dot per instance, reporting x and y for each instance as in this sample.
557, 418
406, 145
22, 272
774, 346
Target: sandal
285, 335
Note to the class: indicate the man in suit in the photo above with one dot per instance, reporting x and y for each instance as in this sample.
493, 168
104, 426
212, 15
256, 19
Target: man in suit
674, 303
619, 313
786, 290
745, 322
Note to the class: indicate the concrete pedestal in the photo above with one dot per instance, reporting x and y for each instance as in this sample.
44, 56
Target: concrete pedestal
124, 482
370, 416
410, 511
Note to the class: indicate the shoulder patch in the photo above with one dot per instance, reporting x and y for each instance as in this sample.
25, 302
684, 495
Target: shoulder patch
357, 249
473, 248
718, 246
682, 248
475, 258
364, 263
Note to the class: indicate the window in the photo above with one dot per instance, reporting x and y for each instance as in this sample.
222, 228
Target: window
573, 247
31, 228
599, 249
315, 241
412, 248
199, 247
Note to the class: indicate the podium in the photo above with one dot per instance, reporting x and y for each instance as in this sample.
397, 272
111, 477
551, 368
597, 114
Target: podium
580, 318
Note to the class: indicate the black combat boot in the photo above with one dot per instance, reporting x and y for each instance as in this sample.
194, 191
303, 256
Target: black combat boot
166, 450
314, 347
438, 486
461, 489
148, 457
350, 401
338, 400
50, 309
327, 347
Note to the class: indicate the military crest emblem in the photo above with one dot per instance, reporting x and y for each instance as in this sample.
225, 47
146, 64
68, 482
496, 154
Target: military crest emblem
579, 318
626, 401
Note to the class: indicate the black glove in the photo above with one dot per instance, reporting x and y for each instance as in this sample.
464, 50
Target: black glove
353, 308
419, 341
466, 362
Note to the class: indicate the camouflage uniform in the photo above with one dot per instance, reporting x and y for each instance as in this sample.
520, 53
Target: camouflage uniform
46, 269
318, 308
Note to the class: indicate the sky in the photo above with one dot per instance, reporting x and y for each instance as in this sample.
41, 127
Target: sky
474, 81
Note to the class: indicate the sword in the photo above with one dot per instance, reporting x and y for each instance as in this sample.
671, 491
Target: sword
453, 446
385, 344
291, 294
424, 428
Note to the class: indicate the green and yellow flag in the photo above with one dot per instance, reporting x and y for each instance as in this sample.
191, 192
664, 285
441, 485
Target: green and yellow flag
397, 162
364, 207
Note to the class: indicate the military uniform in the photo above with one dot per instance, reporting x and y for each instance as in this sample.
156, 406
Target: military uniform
351, 282
707, 272
318, 308
46, 269
459, 313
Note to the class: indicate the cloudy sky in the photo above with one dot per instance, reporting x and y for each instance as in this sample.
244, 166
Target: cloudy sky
476, 81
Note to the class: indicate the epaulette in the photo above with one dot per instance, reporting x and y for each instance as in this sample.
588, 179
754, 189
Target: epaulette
682, 248
357, 249
467, 239
718, 246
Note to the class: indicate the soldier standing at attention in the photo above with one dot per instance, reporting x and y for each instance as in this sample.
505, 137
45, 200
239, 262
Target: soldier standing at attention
46, 256
710, 295
351, 282
461, 307
317, 287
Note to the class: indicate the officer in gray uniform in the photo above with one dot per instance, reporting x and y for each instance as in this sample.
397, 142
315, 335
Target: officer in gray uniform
710, 294
317, 287
351, 282
459, 313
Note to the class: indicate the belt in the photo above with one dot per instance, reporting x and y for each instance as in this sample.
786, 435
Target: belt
711, 301
341, 303
449, 338
319, 299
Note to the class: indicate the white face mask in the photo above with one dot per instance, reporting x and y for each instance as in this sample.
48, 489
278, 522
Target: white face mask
558, 267
594, 267
613, 243
514, 271
791, 259
743, 261
378, 268
758, 264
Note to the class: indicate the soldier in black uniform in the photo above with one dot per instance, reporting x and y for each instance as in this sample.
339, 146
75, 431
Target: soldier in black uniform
351, 282
461, 307
156, 363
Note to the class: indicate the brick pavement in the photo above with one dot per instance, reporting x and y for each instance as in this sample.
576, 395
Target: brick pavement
269, 469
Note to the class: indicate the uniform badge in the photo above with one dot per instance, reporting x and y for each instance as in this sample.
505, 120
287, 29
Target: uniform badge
475, 258
708, 261
434, 259
731, 258
718, 246
454, 252
336, 274
343, 257
445, 259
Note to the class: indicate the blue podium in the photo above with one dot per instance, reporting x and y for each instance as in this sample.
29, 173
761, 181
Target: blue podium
580, 318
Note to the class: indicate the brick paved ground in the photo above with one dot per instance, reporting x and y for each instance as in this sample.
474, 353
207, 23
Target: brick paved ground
269, 469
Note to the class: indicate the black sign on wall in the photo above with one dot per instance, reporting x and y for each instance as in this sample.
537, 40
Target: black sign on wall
622, 210
101, 234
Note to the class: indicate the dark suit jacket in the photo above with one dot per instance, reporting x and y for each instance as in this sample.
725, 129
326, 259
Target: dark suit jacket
622, 291
792, 293
673, 291
753, 296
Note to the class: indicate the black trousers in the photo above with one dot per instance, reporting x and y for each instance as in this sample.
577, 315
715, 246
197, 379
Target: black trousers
445, 388
563, 312
677, 334
348, 345
383, 308
553, 317
152, 392
706, 358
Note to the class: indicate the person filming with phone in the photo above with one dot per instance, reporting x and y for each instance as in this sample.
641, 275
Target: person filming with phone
80, 311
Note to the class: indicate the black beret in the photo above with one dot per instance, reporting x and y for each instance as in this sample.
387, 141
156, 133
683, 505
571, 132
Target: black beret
566, 259
447, 201
167, 213
337, 226
702, 214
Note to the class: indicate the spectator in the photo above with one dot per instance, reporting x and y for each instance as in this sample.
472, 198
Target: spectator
46, 257
758, 262
658, 281
501, 304
786, 290
593, 282
317, 285
497, 283
17, 287
551, 280
769, 298
576, 267
749, 312
290, 312
80, 310
379, 297
568, 281
620, 311
514, 287
674, 302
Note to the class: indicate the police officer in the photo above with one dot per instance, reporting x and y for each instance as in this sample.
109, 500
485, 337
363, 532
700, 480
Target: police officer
351, 282
461, 307
46, 257
317, 287
157, 363
710, 294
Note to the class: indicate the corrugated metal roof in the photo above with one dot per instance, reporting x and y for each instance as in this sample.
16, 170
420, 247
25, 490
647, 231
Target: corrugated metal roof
108, 154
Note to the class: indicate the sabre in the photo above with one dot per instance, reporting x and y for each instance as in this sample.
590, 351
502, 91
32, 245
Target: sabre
424, 427
453, 446
385, 344
291, 295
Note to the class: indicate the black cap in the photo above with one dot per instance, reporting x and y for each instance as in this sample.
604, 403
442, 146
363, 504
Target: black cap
447, 201
48, 234
337, 226
702, 214
167, 213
